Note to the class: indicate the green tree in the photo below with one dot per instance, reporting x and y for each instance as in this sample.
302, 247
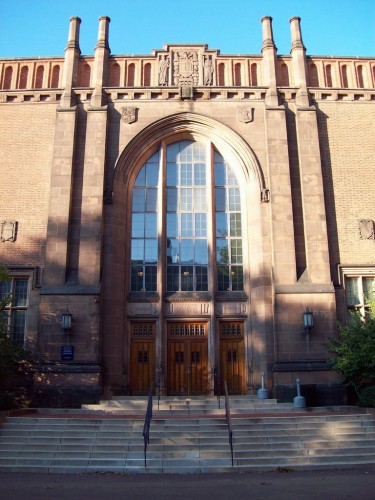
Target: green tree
355, 349
15, 367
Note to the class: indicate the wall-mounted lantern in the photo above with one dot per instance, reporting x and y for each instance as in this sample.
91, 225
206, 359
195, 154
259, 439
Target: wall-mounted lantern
308, 320
66, 321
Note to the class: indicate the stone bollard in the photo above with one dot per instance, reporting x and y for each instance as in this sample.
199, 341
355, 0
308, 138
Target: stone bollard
262, 393
299, 401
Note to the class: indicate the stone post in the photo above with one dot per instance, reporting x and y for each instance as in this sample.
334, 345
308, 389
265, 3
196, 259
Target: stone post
102, 52
298, 53
70, 73
269, 51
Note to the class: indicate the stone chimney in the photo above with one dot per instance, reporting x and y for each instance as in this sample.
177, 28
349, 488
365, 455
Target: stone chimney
298, 53
269, 53
100, 73
70, 73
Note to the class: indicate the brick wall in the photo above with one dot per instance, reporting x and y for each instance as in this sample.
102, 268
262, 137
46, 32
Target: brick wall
347, 145
26, 143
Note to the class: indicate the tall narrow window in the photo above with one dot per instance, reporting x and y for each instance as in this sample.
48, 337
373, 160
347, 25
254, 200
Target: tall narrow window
15, 311
85, 76
200, 229
229, 248
186, 232
114, 80
144, 242
284, 75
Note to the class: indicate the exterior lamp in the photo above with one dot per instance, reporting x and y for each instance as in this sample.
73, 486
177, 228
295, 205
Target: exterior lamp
308, 320
66, 321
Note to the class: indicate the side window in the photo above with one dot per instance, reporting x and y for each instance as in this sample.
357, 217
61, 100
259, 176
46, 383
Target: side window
16, 310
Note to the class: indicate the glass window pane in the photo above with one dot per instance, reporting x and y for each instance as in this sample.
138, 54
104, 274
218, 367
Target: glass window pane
172, 200
137, 251
222, 251
4, 288
173, 251
368, 289
201, 252
138, 230
20, 293
138, 200
201, 277
200, 174
151, 226
234, 199
172, 151
141, 177
152, 174
186, 225
223, 278
200, 199
151, 278
200, 225
151, 251
352, 296
187, 278
220, 199
151, 199
232, 180
219, 174
136, 278
186, 174
186, 199
235, 224
172, 225
237, 278
172, 174
173, 278
236, 251
187, 252
18, 327
221, 225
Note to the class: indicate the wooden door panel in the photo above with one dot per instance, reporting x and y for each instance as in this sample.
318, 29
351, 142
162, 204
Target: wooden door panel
176, 368
142, 366
232, 365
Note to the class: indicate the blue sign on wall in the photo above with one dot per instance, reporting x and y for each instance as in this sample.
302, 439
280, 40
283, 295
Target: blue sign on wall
67, 353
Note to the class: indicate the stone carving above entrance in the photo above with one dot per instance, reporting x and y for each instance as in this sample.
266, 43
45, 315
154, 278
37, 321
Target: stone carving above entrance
187, 308
128, 114
186, 66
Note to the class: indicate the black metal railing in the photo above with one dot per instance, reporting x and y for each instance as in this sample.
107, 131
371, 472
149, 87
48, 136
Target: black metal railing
228, 419
148, 418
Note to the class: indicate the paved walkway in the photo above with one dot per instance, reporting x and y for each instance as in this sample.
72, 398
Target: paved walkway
356, 484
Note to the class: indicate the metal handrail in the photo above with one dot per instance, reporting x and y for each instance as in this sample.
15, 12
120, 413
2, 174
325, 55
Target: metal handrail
148, 418
228, 419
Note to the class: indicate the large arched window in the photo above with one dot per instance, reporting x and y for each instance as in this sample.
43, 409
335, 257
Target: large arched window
195, 240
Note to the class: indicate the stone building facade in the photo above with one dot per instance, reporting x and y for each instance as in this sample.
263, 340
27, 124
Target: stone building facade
185, 209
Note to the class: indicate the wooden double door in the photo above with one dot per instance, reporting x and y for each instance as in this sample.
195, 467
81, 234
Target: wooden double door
232, 357
142, 357
187, 358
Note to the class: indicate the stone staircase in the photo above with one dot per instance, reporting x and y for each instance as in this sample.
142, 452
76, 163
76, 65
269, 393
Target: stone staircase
186, 436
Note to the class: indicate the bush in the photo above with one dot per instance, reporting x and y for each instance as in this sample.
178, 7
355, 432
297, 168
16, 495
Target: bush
367, 397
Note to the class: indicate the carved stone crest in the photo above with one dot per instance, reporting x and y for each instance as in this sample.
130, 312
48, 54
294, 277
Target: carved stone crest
128, 114
8, 231
245, 114
366, 229
185, 66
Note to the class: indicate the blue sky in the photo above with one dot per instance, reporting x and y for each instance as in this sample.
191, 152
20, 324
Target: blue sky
329, 27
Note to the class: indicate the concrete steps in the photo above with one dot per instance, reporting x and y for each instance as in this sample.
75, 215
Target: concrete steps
86, 441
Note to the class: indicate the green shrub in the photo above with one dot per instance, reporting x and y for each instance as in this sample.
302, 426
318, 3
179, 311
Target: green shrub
367, 397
